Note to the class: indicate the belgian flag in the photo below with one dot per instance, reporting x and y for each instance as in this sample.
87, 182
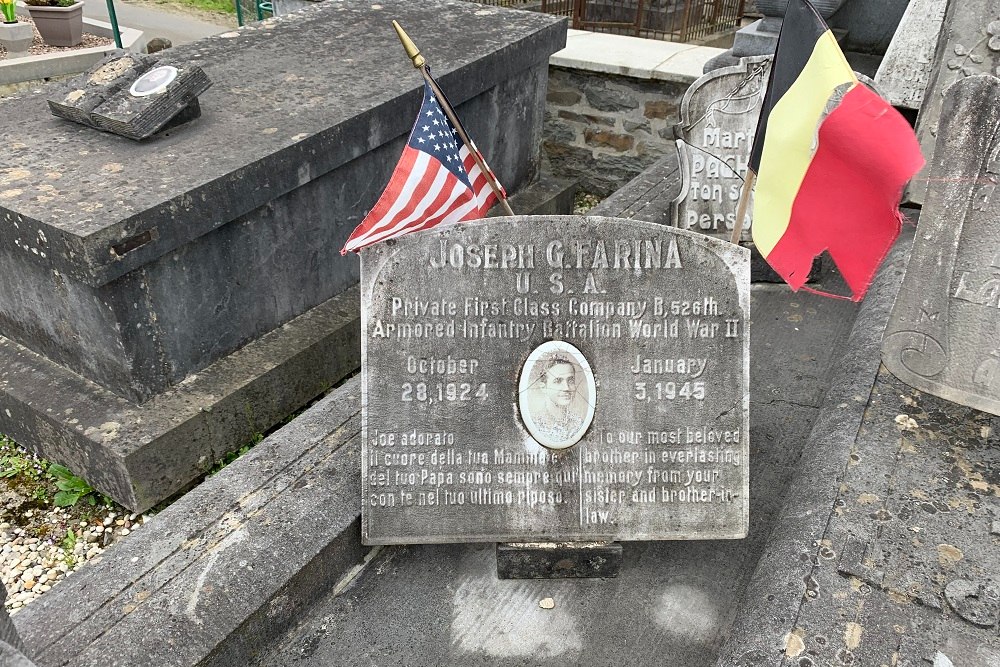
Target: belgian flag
831, 159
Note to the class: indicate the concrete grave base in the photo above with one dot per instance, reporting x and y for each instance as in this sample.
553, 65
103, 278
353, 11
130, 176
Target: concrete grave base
214, 578
558, 560
141, 454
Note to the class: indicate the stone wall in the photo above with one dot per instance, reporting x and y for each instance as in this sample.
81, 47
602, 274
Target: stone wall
604, 129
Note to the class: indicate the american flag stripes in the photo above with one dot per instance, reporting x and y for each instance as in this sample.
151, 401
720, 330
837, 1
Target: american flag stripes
435, 182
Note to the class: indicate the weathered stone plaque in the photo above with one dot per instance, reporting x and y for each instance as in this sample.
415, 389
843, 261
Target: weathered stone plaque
719, 115
906, 67
944, 333
969, 44
132, 95
554, 378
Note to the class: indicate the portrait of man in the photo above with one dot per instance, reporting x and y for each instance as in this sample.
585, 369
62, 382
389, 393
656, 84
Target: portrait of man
556, 395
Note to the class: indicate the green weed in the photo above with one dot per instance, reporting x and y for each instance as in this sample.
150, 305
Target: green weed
71, 488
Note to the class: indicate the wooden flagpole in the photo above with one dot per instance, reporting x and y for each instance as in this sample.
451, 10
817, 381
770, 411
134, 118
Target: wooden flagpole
741, 208
421, 63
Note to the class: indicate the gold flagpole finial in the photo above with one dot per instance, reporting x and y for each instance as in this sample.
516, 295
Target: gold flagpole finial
411, 49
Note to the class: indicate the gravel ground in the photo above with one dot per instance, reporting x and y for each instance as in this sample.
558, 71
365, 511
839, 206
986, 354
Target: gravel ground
38, 47
584, 201
30, 565
42, 543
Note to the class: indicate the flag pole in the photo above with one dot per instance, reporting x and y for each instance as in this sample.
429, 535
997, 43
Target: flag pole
741, 208
420, 63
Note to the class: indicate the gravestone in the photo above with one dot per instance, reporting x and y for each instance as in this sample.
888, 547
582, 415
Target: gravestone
718, 115
969, 44
909, 60
944, 333
554, 379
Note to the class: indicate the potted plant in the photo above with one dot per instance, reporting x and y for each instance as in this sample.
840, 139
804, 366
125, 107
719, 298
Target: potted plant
7, 11
59, 22
15, 37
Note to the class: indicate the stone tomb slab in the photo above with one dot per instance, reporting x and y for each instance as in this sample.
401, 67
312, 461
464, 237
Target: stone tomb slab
909, 61
719, 115
483, 339
969, 44
944, 333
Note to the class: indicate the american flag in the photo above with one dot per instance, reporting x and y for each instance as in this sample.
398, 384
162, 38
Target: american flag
435, 182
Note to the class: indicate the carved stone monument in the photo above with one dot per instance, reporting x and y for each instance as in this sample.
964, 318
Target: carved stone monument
969, 44
551, 379
944, 333
719, 115
908, 62
132, 95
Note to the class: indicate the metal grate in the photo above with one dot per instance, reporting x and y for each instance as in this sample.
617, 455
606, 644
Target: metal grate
671, 20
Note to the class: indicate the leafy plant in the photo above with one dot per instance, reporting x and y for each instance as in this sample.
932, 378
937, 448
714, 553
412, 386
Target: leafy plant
15, 462
68, 543
50, 3
8, 11
71, 488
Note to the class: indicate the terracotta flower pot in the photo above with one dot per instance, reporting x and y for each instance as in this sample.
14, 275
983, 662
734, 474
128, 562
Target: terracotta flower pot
59, 26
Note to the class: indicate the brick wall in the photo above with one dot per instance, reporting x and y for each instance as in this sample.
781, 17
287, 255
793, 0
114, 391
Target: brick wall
604, 129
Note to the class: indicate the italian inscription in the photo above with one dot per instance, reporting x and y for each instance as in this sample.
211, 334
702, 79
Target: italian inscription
719, 115
554, 378
944, 333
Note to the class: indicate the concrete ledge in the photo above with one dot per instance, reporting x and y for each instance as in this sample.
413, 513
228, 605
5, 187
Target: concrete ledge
633, 56
38, 68
214, 578
142, 454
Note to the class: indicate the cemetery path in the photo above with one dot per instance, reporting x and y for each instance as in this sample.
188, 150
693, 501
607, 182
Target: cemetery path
178, 27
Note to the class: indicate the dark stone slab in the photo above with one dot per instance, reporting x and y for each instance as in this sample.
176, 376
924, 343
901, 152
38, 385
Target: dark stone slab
139, 117
443, 604
11, 657
78, 99
944, 333
235, 224
765, 622
132, 95
470, 334
215, 577
719, 114
909, 60
967, 46
549, 196
140, 455
8, 633
557, 560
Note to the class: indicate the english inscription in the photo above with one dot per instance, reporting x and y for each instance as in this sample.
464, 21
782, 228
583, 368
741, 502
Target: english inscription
554, 378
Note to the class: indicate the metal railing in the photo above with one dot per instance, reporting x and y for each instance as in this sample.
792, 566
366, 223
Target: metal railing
671, 20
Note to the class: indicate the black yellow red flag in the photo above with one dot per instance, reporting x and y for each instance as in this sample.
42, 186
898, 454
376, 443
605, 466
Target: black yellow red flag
831, 159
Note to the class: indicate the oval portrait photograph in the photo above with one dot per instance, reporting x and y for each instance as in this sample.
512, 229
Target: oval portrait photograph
556, 394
